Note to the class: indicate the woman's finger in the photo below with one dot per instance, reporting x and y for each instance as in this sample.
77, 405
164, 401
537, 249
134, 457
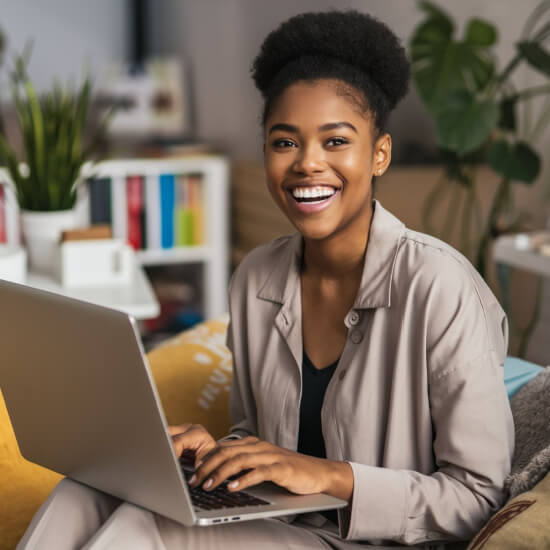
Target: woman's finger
240, 460
175, 430
195, 439
242, 441
265, 472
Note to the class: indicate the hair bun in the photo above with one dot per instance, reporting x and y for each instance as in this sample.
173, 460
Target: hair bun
351, 37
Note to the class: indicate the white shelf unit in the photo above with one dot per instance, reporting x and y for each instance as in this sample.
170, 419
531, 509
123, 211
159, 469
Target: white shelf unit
214, 254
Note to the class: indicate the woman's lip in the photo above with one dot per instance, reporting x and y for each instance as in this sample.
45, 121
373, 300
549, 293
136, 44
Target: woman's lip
312, 207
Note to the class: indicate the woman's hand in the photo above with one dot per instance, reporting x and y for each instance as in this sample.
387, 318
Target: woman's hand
259, 461
192, 438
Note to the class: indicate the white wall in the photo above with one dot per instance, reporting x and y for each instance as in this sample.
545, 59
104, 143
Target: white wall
70, 36
220, 38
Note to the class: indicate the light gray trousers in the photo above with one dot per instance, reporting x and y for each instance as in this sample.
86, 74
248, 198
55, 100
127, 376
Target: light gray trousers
77, 517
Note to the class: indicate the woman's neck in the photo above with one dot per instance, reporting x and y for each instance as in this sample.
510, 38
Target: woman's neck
340, 256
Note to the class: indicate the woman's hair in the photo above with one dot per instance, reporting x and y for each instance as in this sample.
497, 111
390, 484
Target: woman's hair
351, 47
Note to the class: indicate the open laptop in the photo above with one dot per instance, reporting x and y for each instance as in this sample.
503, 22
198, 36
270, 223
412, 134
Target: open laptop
83, 403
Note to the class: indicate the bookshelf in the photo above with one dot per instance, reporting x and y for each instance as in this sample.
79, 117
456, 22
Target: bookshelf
212, 250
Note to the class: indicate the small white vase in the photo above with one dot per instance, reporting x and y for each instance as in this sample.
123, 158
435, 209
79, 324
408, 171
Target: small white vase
42, 233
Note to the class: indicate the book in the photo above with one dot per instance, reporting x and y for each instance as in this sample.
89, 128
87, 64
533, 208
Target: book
167, 203
100, 200
183, 213
118, 208
152, 212
197, 207
135, 209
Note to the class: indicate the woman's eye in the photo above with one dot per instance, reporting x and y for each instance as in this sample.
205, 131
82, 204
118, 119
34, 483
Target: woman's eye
334, 142
283, 143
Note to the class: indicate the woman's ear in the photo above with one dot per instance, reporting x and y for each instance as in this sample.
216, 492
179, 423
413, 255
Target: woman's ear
382, 154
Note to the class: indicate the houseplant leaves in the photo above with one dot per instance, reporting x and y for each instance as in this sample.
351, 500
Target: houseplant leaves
465, 122
516, 162
440, 63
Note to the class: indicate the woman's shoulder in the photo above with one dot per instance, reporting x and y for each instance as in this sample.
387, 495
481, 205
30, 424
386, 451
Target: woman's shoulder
260, 262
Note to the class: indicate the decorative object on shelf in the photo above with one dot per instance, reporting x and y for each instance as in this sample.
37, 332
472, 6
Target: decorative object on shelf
52, 125
476, 108
13, 263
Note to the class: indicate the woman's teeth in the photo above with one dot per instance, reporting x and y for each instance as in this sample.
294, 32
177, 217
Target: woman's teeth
312, 194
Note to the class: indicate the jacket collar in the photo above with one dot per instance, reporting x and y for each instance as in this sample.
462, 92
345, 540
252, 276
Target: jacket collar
375, 287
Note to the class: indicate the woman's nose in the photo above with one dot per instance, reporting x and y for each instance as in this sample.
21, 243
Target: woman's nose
309, 160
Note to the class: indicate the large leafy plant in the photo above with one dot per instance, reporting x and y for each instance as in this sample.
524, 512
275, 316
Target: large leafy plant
53, 128
476, 108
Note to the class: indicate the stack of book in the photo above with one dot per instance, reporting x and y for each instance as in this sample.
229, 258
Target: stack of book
151, 212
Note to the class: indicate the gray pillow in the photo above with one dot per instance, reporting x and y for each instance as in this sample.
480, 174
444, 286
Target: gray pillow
531, 412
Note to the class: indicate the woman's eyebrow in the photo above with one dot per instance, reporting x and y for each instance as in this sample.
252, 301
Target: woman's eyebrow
324, 128
336, 125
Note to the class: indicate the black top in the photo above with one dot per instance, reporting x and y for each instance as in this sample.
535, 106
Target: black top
310, 434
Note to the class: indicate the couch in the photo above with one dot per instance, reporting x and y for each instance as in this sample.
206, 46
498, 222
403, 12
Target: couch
200, 357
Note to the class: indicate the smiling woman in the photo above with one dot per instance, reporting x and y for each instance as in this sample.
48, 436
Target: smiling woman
367, 358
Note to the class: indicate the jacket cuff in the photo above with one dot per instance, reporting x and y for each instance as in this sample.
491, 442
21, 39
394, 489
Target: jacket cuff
378, 506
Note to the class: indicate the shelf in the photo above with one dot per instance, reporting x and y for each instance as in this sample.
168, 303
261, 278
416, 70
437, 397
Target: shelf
188, 254
136, 299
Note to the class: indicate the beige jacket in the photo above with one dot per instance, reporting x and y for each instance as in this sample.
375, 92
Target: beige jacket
417, 404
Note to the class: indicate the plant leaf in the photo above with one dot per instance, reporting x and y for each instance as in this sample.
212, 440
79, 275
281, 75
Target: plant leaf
481, 33
465, 123
517, 162
441, 64
507, 120
535, 55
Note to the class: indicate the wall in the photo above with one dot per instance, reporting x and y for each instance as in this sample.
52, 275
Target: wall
69, 36
220, 39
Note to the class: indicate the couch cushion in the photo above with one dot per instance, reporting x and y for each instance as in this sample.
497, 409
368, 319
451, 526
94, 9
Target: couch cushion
517, 372
521, 524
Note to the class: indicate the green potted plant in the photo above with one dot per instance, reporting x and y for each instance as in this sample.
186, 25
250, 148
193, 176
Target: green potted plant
47, 176
476, 108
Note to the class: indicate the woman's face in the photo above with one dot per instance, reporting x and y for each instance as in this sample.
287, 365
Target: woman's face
320, 157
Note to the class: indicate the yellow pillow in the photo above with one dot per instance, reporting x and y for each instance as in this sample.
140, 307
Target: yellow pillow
192, 372
521, 525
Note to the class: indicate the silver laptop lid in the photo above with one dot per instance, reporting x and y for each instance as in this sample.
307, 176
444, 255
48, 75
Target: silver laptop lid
82, 401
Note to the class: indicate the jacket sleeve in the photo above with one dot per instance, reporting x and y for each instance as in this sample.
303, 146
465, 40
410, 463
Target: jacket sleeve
473, 435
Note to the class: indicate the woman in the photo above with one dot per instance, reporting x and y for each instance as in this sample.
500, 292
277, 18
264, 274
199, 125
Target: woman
366, 356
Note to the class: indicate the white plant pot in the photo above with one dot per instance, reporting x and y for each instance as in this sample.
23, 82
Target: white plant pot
42, 233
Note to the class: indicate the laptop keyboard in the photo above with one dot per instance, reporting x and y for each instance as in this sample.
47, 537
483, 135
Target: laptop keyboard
220, 497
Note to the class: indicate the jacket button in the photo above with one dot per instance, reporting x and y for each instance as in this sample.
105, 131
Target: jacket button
356, 336
354, 318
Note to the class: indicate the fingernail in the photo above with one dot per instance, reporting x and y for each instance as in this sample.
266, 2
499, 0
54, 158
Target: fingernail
233, 484
193, 479
207, 483
198, 464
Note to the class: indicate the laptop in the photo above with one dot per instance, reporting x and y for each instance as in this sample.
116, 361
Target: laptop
82, 402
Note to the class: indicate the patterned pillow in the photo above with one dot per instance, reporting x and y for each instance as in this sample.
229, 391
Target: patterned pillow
193, 373
521, 525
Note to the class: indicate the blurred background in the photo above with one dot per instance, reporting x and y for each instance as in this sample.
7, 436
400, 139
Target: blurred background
202, 52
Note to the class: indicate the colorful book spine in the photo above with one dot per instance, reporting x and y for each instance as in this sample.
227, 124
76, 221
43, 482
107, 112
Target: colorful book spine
184, 214
197, 207
135, 210
118, 208
100, 200
3, 229
152, 212
167, 204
